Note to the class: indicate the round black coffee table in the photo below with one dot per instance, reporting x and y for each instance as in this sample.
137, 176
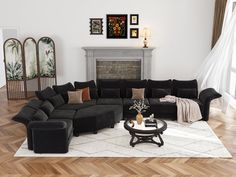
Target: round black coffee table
142, 134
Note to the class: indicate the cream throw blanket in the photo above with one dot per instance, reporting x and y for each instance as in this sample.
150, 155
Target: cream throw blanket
187, 110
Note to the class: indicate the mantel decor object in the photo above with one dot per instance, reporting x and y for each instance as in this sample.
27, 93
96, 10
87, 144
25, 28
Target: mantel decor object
145, 33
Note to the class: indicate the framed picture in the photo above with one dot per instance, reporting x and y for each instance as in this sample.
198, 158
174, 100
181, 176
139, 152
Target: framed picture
133, 19
117, 26
134, 32
96, 26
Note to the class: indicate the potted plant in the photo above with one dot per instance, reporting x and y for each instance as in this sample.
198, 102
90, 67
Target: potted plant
140, 107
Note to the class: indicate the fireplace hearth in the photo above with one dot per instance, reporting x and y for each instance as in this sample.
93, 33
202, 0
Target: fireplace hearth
118, 62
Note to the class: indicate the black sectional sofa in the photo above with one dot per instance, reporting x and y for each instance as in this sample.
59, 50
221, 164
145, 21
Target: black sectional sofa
51, 121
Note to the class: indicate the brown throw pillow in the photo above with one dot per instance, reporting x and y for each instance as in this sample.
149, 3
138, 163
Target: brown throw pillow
75, 97
138, 94
86, 94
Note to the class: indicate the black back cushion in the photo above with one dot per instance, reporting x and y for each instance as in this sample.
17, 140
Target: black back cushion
129, 84
111, 84
57, 100
47, 107
110, 93
185, 84
45, 93
160, 93
92, 87
158, 84
63, 89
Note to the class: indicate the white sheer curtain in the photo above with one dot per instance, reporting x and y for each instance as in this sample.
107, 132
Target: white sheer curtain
214, 71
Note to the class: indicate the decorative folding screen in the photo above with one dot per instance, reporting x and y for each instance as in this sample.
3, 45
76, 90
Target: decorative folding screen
47, 62
29, 68
15, 81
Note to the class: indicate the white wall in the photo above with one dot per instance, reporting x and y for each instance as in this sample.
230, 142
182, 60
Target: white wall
2, 70
181, 31
4, 35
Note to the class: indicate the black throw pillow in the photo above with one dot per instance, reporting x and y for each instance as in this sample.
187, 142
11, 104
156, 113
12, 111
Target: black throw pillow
63, 90
110, 93
187, 93
92, 87
35, 103
57, 100
47, 107
25, 115
40, 116
45, 93
160, 93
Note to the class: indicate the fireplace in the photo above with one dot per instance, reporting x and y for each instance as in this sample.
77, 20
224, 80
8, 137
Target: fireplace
124, 69
118, 62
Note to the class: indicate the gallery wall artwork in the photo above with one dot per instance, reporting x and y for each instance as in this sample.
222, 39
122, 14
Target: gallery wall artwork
96, 26
117, 26
134, 19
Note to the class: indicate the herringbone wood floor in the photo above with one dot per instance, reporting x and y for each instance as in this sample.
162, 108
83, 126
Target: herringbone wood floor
13, 134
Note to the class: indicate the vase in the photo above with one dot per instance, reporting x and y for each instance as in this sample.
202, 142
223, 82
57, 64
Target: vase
139, 118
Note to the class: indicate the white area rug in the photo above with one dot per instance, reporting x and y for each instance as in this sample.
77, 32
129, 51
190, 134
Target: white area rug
193, 140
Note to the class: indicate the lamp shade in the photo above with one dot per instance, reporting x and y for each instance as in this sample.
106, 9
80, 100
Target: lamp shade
145, 33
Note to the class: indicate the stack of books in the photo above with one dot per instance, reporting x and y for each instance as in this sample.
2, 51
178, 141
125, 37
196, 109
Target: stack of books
150, 123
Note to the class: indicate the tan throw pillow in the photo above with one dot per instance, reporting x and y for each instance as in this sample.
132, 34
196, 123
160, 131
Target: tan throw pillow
138, 94
75, 97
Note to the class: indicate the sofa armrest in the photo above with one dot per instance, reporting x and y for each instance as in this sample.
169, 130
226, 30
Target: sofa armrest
205, 97
35, 128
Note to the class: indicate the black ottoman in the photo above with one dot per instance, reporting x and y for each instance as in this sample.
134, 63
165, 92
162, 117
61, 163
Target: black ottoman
96, 117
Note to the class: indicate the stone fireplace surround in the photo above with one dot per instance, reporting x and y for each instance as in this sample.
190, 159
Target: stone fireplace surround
95, 54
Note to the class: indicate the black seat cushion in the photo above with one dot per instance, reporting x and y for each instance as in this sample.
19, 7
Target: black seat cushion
92, 87
130, 102
25, 115
62, 114
77, 106
127, 103
45, 93
163, 109
109, 101
63, 89
69, 124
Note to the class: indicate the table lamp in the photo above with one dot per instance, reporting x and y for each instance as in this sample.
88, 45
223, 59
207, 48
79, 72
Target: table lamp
145, 33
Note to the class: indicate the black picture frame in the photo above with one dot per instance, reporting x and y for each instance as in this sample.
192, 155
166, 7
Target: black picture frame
96, 26
134, 19
117, 26
134, 33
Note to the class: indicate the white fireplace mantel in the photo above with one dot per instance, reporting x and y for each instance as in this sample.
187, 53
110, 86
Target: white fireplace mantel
94, 54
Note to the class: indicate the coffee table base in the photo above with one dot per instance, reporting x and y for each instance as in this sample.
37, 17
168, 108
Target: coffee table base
145, 139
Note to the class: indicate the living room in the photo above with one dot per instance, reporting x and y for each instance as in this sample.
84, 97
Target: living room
170, 45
